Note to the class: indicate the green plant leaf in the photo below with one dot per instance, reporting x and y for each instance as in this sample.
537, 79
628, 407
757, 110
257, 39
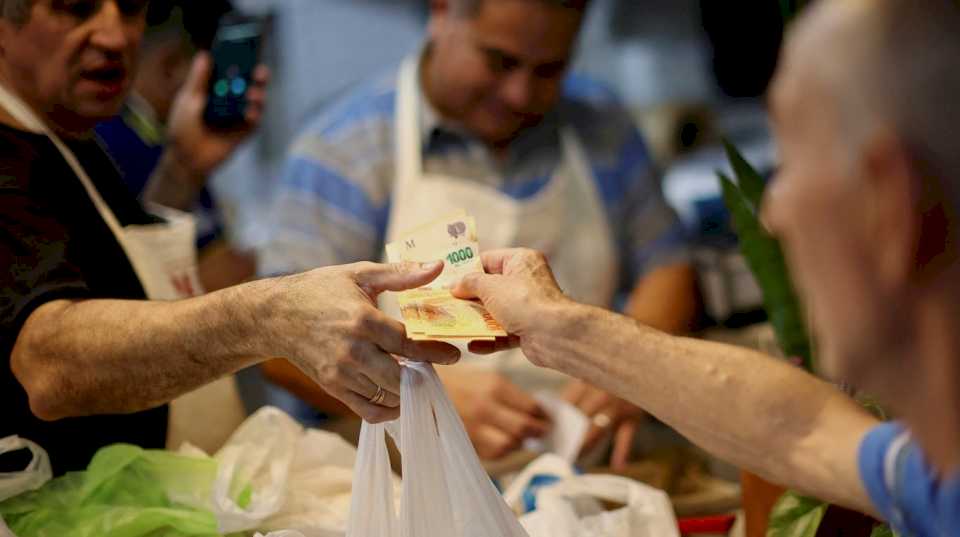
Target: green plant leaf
796, 516
765, 259
750, 182
883, 531
789, 9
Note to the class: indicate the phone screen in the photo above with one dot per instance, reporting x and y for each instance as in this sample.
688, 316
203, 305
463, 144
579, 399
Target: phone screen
236, 52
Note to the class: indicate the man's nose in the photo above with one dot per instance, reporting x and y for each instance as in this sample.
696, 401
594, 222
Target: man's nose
110, 32
518, 91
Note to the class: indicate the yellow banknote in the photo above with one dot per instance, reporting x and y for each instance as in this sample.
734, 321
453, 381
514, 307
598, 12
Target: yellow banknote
431, 312
436, 314
452, 239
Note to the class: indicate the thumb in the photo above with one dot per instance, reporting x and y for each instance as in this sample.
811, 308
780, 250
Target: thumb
200, 72
398, 276
474, 286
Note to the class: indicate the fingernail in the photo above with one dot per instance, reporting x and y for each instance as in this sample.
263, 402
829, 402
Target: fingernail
429, 266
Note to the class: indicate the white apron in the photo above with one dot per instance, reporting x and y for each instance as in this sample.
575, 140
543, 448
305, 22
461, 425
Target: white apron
565, 220
164, 258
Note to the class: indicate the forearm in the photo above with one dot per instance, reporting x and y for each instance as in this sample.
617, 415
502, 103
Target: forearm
173, 184
78, 358
751, 410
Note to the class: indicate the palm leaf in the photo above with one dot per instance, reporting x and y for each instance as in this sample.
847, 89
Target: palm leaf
883, 531
766, 262
796, 516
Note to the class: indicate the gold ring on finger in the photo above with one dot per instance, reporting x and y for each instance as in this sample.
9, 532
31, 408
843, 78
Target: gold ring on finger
378, 398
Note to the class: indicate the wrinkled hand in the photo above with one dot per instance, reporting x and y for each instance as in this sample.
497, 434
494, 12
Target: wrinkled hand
497, 414
326, 323
518, 290
195, 146
607, 414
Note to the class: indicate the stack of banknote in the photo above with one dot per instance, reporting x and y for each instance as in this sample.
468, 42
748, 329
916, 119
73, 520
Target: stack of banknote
432, 312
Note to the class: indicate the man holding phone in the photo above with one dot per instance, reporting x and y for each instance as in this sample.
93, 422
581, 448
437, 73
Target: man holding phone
137, 137
86, 361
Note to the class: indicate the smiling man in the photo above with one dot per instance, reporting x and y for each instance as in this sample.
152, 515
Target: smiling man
486, 117
85, 359
867, 205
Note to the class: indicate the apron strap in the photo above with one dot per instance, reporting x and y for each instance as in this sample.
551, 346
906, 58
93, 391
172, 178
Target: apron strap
20, 111
409, 152
574, 154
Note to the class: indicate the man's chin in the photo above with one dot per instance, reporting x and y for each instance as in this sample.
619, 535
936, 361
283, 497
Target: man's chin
82, 117
498, 136
496, 130
100, 110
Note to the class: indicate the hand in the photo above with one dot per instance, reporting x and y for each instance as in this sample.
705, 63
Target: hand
607, 413
196, 147
497, 414
326, 323
518, 290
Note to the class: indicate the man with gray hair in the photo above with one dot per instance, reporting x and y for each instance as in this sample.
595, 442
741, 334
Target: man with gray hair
866, 205
101, 318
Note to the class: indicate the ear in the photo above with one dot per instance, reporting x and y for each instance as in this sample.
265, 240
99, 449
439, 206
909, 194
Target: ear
892, 204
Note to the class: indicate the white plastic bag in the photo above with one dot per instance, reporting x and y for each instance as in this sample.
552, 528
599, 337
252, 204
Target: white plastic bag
319, 487
32, 477
254, 462
296, 480
568, 431
570, 509
4, 530
445, 491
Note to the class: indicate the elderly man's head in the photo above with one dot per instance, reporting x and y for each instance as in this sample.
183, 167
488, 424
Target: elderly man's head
866, 112
72, 61
497, 66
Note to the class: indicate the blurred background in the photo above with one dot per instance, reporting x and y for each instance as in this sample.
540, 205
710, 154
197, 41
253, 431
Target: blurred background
691, 71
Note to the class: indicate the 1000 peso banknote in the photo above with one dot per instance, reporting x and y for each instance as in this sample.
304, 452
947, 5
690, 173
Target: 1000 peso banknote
432, 312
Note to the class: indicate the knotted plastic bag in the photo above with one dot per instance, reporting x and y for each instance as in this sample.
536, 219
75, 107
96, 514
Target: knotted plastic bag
445, 492
34, 476
588, 505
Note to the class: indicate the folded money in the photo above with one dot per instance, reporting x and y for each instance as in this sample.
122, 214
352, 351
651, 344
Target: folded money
432, 312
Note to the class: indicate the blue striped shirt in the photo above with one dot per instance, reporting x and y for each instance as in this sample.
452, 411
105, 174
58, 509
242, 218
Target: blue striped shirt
333, 200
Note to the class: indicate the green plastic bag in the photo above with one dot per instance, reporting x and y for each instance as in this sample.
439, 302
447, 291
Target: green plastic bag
125, 492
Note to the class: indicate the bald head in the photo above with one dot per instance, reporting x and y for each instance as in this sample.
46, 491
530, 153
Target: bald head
890, 63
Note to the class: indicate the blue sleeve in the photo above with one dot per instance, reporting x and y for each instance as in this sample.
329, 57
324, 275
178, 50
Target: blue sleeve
904, 487
321, 216
332, 202
652, 234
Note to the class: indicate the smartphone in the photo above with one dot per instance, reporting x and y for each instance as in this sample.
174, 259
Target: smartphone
236, 53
